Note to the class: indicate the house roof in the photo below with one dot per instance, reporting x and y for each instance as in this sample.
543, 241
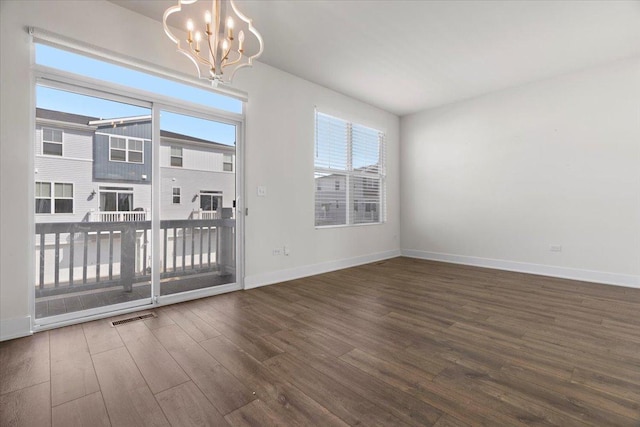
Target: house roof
42, 113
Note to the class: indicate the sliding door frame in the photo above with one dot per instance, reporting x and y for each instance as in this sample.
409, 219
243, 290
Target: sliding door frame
62, 80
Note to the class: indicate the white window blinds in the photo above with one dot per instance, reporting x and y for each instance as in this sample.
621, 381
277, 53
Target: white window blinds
349, 173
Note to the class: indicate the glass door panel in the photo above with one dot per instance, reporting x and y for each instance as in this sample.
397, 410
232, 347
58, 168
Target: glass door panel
197, 203
93, 178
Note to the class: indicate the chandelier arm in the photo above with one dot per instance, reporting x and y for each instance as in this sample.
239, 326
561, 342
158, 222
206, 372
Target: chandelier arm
225, 55
198, 57
234, 61
212, 53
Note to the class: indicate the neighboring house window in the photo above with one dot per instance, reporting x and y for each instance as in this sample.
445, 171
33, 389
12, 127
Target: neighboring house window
61, 202
115, 199
227, 164
210, 200
176, 195
63, 198
51, 142
135, 150
43, 197
176, 156
351, 159
129, 150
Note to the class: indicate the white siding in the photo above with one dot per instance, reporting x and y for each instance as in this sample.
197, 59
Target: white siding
191, 183
79, 172
194, 158
76, 144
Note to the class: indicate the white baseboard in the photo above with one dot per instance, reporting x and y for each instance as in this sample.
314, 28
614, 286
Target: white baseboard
523, 267
15, 328
270, 278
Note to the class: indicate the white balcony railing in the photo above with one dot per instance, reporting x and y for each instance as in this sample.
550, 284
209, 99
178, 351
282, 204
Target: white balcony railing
200, 214
104, 216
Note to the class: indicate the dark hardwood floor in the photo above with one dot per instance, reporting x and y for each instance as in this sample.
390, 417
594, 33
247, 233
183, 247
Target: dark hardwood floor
399, 342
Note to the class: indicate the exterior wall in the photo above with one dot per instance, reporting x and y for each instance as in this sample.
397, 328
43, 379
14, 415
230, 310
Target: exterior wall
195, 157
191, 183
105, 169
331, 204
76, 144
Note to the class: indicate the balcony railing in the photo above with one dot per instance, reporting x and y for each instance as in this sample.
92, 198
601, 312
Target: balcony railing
200, 214
79, 256
118, 216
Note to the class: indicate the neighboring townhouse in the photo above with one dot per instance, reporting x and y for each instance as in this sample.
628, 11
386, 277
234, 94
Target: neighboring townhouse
331, 198
91, 169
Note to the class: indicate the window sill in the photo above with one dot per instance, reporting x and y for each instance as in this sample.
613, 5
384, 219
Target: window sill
366, 224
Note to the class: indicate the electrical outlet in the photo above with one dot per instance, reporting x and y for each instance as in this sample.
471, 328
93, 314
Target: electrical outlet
555, 248
277, 252
262, 191
286, 251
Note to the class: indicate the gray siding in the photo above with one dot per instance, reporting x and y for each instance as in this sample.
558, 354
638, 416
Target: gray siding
106, 170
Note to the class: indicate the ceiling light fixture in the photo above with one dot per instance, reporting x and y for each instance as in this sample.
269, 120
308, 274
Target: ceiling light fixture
211, 42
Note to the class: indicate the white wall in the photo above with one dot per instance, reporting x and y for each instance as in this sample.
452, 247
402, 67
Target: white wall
279, 147
497, 179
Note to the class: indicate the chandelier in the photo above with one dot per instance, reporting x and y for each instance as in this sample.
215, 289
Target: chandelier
216, 43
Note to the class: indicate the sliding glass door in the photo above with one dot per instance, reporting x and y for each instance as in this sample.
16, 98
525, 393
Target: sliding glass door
93, 185
197, 203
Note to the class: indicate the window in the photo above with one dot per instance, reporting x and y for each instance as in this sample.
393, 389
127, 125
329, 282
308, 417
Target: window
62, 201
43, 197
176, 156
227, 164
63, 198
115, 199
117, 149
210, 200
123, 149
350, 159
136, 151
176, 195
51, 142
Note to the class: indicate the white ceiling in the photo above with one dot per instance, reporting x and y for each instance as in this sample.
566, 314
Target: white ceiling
406, 56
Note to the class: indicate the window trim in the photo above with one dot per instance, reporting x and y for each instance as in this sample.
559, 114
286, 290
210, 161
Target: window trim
171, 156
349, 173
52, 197
212, 194
126, 149
116, 191
173, 195
43, 141
225, 163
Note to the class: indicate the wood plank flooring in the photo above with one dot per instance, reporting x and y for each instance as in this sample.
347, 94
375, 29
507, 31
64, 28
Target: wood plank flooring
401, 342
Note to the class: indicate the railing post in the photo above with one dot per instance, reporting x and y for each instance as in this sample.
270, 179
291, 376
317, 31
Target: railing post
128, 256
226, 247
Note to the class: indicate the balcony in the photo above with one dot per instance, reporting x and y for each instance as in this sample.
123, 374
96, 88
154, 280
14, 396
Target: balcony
119, 216
200, 214
78, 263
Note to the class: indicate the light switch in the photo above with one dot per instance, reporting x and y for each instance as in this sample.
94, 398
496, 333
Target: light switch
262, 191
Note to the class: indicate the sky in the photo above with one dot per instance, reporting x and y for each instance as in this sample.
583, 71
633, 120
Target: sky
69, 102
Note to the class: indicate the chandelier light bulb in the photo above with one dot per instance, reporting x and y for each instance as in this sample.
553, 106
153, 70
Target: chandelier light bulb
207, 17
189, 25
240, 41
230, 23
